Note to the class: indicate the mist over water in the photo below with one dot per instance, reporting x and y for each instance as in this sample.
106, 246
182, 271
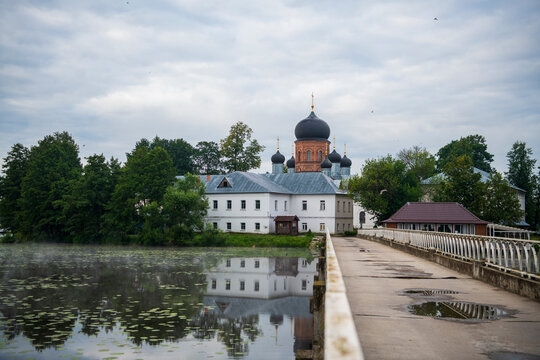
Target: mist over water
88, 302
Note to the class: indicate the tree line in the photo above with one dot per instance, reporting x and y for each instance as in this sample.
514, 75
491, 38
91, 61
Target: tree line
47, 194
388, 182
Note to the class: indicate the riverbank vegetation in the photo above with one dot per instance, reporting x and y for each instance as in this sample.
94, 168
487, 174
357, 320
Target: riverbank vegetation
48, 195
461, 172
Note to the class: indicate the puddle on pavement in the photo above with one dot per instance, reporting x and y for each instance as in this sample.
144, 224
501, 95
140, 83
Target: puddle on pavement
430, 292
509, 355
456, 310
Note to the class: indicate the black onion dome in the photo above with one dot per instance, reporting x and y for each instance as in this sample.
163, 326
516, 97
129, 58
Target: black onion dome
334, 157
345, 162
291, 162
312, 128
278, 158
326, 164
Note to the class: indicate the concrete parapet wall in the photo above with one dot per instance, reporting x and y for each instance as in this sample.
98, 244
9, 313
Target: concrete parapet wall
340, 336
476, 269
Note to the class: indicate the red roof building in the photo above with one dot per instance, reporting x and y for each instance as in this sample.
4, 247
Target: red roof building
437, 216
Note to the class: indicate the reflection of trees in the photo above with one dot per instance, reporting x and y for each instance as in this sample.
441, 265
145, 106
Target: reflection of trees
233, 333
43, 300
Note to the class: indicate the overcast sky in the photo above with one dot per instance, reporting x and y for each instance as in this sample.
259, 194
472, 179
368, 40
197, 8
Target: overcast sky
386, 75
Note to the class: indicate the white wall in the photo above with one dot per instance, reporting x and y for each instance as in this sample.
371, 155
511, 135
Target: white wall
356, 217
313, 217
270, 284
236, 215
344, 214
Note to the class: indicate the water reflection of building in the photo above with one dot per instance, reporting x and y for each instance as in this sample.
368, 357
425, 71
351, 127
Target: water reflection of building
262, 278
242, 287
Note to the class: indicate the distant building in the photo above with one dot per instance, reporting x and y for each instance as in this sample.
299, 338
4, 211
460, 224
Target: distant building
305, 198
437, 216
247, 202
429, 186
362, 218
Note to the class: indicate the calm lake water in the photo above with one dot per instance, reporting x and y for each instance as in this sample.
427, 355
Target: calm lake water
90, 302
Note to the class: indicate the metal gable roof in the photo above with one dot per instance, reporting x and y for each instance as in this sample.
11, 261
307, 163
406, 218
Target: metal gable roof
434, 212
244, 182
288, 183
306, 183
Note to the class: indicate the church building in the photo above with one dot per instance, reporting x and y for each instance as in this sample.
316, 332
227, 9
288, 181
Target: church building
306, 197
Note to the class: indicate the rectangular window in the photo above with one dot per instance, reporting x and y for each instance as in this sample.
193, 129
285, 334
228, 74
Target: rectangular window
304, 204
285, 205
344, 206
215, 204
257, 204
215, 225
257, 264
275, 205
349, 206
322, 227
214, 284
228, 264
304, 284
304, 226
228, 284
243, 204
257, 226
444, 228
256, 285
323, 205
275, 285
242, 285
229, 226
473, 229
242, 263
304, 263
337, 206
243, 226
229, 204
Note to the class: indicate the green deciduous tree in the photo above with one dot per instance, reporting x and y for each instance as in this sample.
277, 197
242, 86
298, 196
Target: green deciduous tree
502, 205
143, 179
238, 156
208, 158
14, 170
419, 161
52, 164
185, 205
181, 152
85, 202
462, 185
385, 186
521, 174
473, 146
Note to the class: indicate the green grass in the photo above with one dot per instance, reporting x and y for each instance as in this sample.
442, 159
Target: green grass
250, 240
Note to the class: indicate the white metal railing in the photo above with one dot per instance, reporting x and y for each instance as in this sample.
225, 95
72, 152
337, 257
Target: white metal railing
509, 255
340, 336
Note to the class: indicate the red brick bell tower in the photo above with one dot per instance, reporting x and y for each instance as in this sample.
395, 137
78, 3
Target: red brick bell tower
312, 143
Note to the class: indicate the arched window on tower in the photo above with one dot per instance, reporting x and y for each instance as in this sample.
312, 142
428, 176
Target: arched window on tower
308, 155
320, 155
298, 156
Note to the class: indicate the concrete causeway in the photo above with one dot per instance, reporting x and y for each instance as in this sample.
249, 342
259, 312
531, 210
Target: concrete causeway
376, 277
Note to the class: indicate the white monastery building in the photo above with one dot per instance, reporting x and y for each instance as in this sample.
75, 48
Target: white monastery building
305, 198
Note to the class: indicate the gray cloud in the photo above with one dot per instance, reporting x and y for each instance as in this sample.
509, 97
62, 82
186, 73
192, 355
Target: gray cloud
111, 72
